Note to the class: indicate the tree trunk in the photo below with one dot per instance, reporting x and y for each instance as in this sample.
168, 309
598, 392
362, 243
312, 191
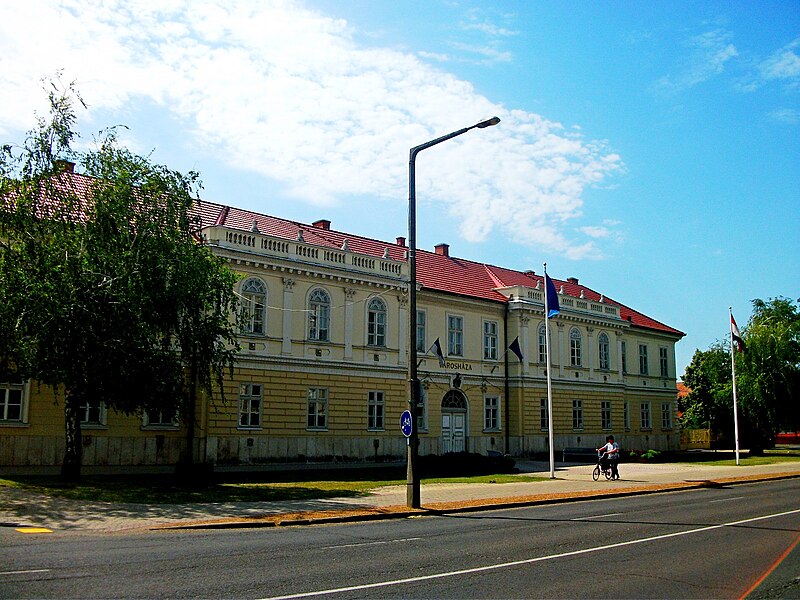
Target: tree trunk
191, 415
73, 450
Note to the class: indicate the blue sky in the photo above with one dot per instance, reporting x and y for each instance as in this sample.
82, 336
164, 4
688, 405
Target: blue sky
651, 149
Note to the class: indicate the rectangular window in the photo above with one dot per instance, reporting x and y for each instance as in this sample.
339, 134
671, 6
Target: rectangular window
455, 336
542, 345
643, 370
544, 423
317, 409
250, 405
491, 413
605, 414
575, 349
627, 415
662, 361
162, 419
577, 414
422, 411
421, 322
490, 340
376, 323
603, 351
624, 356
93, 413
12, 396
666, 415
375, 410
645, 411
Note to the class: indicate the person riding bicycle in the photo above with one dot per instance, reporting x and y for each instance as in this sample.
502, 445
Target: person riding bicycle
610, 456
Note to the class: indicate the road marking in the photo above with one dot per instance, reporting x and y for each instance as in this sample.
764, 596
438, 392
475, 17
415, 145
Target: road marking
727, 499
377, 543
596, 517
24, 572
527, 561
34, 530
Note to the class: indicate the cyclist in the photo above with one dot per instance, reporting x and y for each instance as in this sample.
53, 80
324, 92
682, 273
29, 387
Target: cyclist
610, 456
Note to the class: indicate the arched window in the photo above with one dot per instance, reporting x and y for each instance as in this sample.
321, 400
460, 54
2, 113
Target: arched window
575, 350
454, 400
319, 315
376, 322
603, 351
254, 306
542, 344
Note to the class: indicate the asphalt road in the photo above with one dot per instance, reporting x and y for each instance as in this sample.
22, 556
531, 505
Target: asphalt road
707, 543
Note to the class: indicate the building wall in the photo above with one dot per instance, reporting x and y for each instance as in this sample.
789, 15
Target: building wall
283, 364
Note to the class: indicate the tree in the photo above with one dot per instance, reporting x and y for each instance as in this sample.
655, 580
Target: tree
768, 372
709, 404
106, 293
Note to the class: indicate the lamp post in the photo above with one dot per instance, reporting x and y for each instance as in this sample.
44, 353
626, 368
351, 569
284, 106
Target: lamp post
412, 479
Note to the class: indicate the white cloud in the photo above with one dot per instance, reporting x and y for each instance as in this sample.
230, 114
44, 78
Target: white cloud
789, 116
783, 64
283, 91
708, 53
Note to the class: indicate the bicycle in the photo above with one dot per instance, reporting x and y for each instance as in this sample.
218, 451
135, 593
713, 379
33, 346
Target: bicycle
602, 469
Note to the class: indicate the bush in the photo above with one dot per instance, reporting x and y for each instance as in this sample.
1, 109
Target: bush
647, 456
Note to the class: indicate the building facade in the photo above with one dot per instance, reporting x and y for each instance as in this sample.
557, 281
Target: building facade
322, 374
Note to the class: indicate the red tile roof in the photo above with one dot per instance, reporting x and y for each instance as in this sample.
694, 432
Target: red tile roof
447, 274
439, 272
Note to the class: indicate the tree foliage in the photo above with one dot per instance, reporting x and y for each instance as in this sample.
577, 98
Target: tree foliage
768, 372
106, 293
709, 402
767, 378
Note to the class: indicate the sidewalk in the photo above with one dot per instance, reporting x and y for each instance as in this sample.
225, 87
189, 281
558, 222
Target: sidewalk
19, 508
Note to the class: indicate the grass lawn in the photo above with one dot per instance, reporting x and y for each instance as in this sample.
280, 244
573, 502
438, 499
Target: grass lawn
164, 489
771, 457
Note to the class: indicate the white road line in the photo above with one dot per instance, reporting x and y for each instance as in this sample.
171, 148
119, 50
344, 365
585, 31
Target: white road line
527, 561
24, 572
596, 517
377, 543
727, 499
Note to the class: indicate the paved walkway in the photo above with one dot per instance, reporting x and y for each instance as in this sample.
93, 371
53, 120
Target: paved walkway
20, 508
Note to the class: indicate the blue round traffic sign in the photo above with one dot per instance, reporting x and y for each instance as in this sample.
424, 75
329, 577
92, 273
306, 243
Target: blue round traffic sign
406, 423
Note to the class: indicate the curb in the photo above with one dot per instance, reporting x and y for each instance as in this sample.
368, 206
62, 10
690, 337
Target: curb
444, 508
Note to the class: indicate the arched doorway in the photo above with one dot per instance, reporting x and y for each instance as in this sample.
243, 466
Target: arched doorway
454, 421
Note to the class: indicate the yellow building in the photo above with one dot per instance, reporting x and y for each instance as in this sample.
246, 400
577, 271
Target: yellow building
323, 370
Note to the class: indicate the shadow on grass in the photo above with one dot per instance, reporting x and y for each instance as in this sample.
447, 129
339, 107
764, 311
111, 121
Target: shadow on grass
165, 489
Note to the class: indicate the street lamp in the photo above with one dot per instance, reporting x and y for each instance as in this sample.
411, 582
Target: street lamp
412, 479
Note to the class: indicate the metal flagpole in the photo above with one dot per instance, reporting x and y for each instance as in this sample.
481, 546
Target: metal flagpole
733, 374
549, 381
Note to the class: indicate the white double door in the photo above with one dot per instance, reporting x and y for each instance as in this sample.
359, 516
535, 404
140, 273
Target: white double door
453, 431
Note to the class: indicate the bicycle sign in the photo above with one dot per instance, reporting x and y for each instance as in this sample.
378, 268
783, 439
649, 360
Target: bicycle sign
406, 423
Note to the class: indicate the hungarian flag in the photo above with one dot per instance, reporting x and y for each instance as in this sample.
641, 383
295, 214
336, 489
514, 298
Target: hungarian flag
736, 337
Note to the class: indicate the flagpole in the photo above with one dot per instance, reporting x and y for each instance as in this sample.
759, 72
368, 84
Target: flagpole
735, 409
549, 381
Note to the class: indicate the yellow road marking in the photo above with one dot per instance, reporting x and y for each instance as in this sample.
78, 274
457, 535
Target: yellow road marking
34, 530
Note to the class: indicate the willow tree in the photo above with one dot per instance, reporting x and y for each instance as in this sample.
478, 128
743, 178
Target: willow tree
107, 294
768, 371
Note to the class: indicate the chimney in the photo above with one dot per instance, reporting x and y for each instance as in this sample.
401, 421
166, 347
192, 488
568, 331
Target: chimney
322, 224
401, 241
573, 280
65, 166
442, 249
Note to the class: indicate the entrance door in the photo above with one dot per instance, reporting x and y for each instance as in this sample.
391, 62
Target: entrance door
454, 422
453, 433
